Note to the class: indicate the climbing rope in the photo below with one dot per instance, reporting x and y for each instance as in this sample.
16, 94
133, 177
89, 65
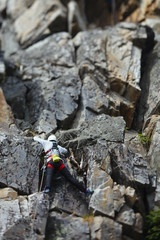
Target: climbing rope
43, 167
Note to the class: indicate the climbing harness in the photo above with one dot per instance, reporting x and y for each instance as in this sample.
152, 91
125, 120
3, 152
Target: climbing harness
54, 146
54, 157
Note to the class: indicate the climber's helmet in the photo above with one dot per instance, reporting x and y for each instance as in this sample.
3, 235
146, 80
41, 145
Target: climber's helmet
52, 138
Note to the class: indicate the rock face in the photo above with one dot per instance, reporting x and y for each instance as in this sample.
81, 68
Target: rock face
97, 90
2, 67
6, 116
42, 17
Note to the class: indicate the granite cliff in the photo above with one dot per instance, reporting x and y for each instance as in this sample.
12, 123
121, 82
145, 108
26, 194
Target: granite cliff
87, 71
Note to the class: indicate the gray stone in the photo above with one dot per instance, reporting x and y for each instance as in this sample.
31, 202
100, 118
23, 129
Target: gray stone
59, 97
24, 213
46, 15
132, 32
152, 130
91, 48
105, 228
149, 100
16, 8
128, 167
38, 204
3, 5
66, 227
10, 45
108, 199
100, 128
73, 85
126, 216
17, 153
102, 202
6, 115
102, 62
46, 122
66, 198
133, 142
2, 67
11, 217
94, 100
15, 94
40, 56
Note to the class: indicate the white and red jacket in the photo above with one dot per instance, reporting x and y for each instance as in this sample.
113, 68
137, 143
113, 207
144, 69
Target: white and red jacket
47, 146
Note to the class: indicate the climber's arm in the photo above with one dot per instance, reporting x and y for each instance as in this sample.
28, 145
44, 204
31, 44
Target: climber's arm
41, 141
62, 151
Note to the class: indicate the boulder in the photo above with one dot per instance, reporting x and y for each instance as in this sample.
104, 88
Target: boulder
16, 8
8, 193
41, 19
100, 129
56, 101
22, 218
12, 217
6, 116
67, 227
54, 92
129, 168
41, 59
9, 45
105, 228
133, 142
131, 197
38, 208
106, 201
132, 223
19, 161
126, 216
15, 94
66, 198
100, 67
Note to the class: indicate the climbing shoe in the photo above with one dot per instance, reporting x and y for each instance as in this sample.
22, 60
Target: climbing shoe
89, 192
47, 190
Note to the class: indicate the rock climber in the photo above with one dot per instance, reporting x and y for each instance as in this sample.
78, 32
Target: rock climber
53, 154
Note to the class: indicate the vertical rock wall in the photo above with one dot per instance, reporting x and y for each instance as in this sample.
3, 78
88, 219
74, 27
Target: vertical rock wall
97, 90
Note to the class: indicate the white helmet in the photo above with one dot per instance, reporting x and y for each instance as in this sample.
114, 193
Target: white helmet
52, 138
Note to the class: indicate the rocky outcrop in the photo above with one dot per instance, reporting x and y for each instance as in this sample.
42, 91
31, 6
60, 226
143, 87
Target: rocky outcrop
22, 214
107, 72
44, 18
6, 116
2, 67
149, 102
94, 88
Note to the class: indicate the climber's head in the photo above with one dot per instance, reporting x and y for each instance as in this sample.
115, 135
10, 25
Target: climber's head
52, 138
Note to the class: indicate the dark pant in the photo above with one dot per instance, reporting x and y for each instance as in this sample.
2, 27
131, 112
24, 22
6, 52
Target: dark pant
52, 167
